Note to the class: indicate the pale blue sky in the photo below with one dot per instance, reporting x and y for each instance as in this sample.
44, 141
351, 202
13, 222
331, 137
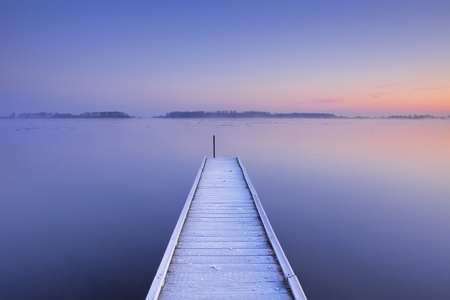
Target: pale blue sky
151, 57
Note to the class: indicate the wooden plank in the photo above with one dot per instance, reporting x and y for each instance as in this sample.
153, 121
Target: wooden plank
224, 205
258, 238
243, 287
216, 227
247, 199
233, 210
218, 196
225, 259
221, 252
232, 202
226, 191
229, 220
223, 218
230, 278
223, 268
222, 233
224, 245
222, 214
226, 296
254, 222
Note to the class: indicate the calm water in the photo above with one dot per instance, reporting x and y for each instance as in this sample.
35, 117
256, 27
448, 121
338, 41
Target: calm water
361, 207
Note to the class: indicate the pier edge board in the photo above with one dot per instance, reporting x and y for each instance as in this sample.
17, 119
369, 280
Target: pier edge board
158, 281
291, 278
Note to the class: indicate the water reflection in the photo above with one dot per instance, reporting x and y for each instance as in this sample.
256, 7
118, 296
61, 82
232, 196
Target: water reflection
360, 206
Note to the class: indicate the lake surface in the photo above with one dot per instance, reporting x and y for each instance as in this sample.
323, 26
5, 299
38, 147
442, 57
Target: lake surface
361, 207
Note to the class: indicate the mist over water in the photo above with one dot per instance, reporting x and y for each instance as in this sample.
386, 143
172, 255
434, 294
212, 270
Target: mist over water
361, 207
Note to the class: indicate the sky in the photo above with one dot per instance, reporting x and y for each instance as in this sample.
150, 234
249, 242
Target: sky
146, 58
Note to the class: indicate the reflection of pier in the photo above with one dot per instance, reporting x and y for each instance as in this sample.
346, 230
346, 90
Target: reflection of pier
223, 246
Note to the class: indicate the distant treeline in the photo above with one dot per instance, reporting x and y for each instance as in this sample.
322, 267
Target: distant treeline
245, 114
86, 115
415, 117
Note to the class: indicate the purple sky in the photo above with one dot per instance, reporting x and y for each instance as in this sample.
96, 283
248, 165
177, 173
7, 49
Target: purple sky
150, 57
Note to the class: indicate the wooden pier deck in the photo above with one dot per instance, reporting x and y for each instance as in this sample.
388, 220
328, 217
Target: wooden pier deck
223, 246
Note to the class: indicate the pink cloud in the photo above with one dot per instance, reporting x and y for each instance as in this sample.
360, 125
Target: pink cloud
386, 85
428, 89
379, 95
326, 100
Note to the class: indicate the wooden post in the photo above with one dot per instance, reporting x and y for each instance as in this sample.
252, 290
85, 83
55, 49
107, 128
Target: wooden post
214, 146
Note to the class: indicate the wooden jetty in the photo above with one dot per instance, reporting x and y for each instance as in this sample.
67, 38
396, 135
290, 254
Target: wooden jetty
223, 246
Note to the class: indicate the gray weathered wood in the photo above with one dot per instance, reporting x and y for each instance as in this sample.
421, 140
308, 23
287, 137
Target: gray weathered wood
223, 246
226, 296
